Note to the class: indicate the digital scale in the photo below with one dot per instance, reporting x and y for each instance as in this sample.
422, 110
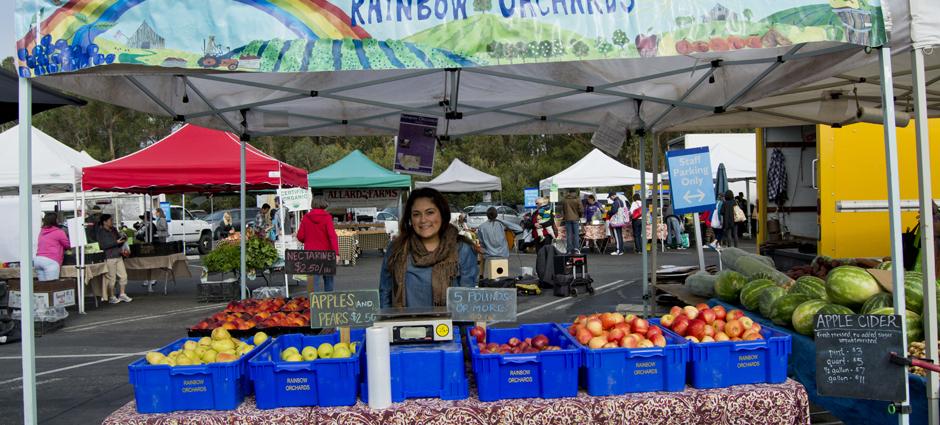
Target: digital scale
416, 325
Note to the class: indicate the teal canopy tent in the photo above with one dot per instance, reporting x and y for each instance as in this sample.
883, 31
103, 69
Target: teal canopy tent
356, 171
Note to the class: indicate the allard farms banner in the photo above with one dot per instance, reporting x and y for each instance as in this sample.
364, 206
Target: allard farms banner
328, 35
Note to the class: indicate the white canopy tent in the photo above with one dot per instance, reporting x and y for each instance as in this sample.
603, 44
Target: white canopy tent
460, 177
651, 94
56, 168
596, 169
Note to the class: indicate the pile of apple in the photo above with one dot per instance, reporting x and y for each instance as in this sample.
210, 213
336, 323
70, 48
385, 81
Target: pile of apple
262, 313
614, 330
219, 348
515, 345
711, 324
340, 350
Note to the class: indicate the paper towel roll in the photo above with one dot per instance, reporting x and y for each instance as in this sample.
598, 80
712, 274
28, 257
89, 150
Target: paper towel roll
378, 368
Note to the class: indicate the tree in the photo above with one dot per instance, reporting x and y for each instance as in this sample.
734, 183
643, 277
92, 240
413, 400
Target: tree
580, 49
545, 48
748, 14
482, 5
520, 48
603, 46
532, 50
682, 21
496, 50
620, 38
509, 51
558, 48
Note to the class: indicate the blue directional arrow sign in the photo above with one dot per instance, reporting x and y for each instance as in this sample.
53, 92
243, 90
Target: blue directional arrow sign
690, 180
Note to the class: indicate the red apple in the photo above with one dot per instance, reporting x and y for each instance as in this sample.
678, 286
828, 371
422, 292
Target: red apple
721, 336
645, 344
630, 318
708, 315
653, 331
610, 345
584, 336
640, 326
675, 311
481, 346
719, 325
580, 319
667, 320
618, 318
608, 320
734, 328
756, 327
708, 331
629, 341
540, 342
751, 336
746, 322
479, 333
514, 342
492, 346
597, 342
691, 338
702, 306
573, 330
681, 325
624, 326
595, 326
658, 340
734, 314
697, 328
690, 312
719, 312
615, 334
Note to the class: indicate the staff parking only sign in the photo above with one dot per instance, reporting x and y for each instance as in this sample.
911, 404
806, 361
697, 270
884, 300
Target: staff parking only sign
690, 179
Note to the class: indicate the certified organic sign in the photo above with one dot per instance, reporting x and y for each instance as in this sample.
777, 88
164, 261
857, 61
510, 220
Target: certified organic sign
482, 304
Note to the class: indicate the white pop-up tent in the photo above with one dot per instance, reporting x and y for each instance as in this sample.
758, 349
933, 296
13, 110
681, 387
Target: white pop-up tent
596, 169
56, 168
460, 177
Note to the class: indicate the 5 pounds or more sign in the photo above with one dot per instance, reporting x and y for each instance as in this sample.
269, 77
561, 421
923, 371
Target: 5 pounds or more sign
482, 304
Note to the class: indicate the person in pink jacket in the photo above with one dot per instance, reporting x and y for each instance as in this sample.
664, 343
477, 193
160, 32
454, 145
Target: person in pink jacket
318, 234
50, 248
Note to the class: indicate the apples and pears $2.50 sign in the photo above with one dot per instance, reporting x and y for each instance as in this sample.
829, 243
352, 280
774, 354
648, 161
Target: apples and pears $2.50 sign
343, 309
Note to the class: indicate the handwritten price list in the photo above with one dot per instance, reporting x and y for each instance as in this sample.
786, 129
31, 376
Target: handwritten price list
852, 356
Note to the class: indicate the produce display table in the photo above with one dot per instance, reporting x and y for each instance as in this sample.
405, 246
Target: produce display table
165, 267
778, 404
802, 367
94, 273
374, 239
348, 248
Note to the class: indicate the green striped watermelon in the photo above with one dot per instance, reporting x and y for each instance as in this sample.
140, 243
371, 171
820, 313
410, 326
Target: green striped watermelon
879, 300
915, 326
751, 292
884, 266
729, 285
914, 291
781, 312
767, 298
835, 309
850, 286
812, 286
804, 315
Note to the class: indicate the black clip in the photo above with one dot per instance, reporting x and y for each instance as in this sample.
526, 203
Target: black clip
899, 409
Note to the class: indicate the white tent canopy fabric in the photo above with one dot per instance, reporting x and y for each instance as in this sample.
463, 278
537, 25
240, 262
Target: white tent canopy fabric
56, 167
460, 177
596, 169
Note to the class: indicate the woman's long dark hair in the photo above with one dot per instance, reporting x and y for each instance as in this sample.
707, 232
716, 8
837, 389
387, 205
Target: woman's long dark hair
406, 229
51, 219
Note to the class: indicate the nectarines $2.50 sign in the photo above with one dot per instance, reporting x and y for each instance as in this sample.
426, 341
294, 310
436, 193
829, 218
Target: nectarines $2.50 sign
300, 261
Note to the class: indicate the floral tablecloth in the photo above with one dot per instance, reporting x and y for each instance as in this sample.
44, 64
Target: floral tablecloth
777, 404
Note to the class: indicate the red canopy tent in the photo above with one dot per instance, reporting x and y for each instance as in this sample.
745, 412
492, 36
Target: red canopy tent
192, 159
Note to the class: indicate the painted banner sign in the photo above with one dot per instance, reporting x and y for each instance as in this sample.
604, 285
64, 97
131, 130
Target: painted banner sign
361, 198
328, 35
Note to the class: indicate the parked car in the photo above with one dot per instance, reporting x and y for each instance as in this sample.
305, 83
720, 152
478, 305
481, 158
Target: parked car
186, 227
200, 214
508, 215
215, 220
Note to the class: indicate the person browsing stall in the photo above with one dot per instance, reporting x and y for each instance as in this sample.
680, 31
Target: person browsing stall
318, 234
112, 243
427, 257
50, 249
492, 234
163, 229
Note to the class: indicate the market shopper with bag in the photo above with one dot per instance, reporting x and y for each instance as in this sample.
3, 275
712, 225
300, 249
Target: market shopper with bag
618, 219
112, 243
317, 233
571, 214
729, 226
427, 257
50, 248
636, 210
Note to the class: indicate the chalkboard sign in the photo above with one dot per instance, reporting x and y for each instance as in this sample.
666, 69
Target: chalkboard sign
299, 261
852, 356
482, 304
343, 308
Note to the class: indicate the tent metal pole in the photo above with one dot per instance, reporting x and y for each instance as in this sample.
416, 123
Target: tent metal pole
80, 260
764, 74
926, 227
183, 217
894, 207
552, 117
205, 100
688, 92
218, 111
307, 92
643, 223
654, 223
280, 213
242, 268
150, 95
747, 190
28, 332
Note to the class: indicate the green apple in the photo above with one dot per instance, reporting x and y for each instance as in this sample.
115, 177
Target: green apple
325, 350
309, 353
288, 351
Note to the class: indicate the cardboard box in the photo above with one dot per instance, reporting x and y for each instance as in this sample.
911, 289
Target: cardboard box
495, 268
57, 293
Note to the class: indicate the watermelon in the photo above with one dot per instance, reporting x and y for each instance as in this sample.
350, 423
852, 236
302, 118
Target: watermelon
835, 309
751, 292
781, 311
879, 300
884, 266
804, 315
850, 286
701, 284
729, 285
915, 326
914, 291
767, 298
812, 286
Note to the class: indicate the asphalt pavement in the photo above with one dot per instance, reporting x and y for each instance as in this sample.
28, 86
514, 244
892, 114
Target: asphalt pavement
82, 369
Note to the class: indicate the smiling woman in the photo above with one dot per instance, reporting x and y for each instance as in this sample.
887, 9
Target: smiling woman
427, 257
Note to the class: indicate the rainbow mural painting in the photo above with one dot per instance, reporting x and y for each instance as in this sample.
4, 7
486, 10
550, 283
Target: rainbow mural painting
329, 35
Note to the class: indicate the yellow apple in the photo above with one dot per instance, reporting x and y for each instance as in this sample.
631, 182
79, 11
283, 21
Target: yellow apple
183, 361
225, 357
190, 345
341, 352
222, 345
309, 353
205, 341
294, 358
325, 350
288, 351
260, 337
352, 347
154, 357
220, 333
209, 356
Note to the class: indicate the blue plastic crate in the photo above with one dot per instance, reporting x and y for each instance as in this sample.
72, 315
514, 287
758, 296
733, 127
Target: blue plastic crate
321, 382
430, 370
215, 386
614, 371
726, 363
546, 374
